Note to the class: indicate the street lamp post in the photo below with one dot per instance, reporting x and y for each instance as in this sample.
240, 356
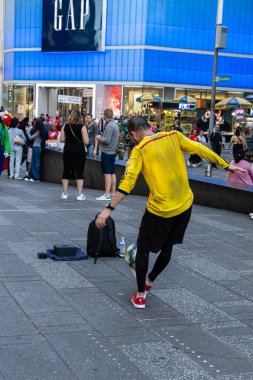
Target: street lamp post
220, 43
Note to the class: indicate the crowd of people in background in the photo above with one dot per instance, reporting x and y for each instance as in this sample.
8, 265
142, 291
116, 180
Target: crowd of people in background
24, 141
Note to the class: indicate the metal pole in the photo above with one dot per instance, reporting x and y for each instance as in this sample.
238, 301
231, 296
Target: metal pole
213, 94
215, 62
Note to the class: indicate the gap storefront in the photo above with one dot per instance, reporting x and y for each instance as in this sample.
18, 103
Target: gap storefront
92, 54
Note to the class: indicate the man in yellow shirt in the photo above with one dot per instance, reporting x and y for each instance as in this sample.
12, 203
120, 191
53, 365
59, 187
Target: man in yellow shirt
159, 157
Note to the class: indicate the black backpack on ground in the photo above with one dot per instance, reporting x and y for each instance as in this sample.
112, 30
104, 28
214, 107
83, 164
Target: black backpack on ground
102, 242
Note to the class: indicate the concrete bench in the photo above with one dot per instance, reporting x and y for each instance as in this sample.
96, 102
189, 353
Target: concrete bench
211, 192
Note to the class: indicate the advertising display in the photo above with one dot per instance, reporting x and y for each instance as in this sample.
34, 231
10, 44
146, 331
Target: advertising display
72, 25
114, 100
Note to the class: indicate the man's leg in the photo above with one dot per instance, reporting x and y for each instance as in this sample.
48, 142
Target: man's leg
141, 267
161, 262
113, 185
108, 184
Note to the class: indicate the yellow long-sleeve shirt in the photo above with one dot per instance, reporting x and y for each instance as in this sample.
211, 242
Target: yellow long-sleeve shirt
160, 159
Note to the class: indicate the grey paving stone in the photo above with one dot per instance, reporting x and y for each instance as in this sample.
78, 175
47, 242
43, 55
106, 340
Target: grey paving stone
12, 265
32, 361
90, 356
37, 296
13, 320
239, 376
242, 343
3, 291
208, 269
60, 275
103, 313
59, 318
161, 361
21, 339
191, 306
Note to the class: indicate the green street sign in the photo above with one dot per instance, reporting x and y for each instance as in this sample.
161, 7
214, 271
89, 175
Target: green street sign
223, 79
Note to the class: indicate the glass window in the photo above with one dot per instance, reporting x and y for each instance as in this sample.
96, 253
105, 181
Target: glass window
18, 100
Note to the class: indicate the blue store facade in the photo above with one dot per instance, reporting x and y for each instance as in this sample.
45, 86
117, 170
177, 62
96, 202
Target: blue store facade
161, 47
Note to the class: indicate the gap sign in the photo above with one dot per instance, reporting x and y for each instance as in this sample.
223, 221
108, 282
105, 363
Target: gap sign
72, 25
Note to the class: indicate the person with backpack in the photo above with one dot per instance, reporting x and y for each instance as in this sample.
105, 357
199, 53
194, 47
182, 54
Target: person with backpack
17, 141
5, 148
159, 157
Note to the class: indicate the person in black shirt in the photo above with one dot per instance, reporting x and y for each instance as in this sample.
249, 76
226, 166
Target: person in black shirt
216, 141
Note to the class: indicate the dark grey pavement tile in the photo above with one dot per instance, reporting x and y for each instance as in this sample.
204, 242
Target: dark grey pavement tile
103, 313
56, 318
21, 339
160, 361
90, 356
33, 361
13, 266
37, 296
13, 320
248, 322
3, 291
133, 335
9, 231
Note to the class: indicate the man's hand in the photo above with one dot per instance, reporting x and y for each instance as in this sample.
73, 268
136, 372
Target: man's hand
94, 153
233, 168
101, 218
6, 155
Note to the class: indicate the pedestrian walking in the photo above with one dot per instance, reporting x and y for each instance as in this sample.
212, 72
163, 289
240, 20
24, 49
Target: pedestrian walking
109, 143
17, 141
5, 148
74, 135
159, 157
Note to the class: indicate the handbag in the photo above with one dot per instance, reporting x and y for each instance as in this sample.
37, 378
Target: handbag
18, 140
85, 148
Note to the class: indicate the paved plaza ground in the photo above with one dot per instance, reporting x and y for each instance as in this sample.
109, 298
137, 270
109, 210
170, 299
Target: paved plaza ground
74, 320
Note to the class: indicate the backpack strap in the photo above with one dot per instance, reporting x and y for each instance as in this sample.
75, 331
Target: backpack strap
110, 228
100, 242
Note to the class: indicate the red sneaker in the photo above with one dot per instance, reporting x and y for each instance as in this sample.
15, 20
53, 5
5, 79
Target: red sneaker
138, 302
148, 285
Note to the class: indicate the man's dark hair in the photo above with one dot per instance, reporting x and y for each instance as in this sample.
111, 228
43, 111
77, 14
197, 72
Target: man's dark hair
14, 122
137, 123
239, 155
108, 113
89, 114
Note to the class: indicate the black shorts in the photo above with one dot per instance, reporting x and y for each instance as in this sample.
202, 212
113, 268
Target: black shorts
156, 232
108, 163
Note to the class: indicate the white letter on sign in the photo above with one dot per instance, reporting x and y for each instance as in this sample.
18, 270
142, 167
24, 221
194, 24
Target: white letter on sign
83, 15
71, 15
57, 19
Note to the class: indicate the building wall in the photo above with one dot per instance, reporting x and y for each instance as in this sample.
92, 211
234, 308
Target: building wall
159, 41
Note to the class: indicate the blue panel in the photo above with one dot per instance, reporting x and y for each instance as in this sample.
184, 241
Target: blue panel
113, 65
196, 69
183, 24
